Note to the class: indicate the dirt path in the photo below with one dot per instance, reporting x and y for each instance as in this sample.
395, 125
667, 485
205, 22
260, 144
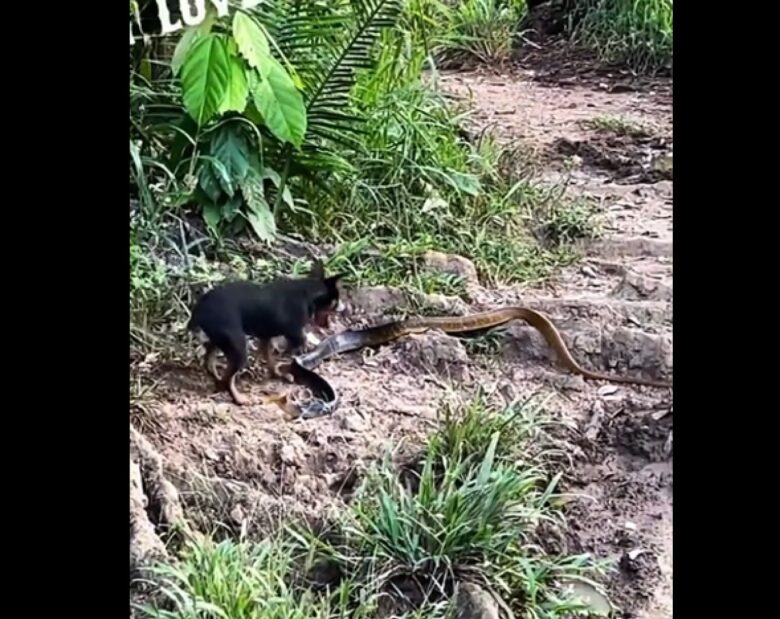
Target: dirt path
617, 304
245, 467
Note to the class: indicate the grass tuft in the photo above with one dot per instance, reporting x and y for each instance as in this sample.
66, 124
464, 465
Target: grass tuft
469, 513
638, 33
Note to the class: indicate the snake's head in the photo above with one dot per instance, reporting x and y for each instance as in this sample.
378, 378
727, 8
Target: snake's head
327, 300
315, 408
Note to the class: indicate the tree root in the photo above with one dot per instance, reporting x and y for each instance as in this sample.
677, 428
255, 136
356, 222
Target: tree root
146, 547
155, 508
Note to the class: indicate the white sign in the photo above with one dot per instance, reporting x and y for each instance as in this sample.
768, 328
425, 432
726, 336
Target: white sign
193, 12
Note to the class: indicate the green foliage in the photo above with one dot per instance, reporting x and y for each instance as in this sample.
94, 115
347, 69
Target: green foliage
234, 94
314, 118
252, 41
233, 580
280, 104
470, 512
637, 32
205, 76
483, 29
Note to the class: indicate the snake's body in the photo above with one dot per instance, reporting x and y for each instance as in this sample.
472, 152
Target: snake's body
303, 366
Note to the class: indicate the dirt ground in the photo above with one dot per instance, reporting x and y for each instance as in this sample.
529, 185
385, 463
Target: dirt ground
245, 466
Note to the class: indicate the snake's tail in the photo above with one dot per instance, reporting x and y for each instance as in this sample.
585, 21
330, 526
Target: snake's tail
543, 324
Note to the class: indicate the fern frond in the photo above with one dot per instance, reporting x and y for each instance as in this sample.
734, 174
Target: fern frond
328, 41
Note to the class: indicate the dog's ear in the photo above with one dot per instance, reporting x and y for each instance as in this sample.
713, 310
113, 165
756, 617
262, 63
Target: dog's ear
334, 279
317, 270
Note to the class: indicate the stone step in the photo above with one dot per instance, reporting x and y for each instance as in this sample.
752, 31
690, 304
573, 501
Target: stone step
625, 246
650, 315
619, 350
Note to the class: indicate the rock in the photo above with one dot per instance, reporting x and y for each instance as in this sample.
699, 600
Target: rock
451, 264
237, 514
353, 423
382, 301
620, 350
633, 349
375, 300
473, 602
452, 306
331, 479
588, 271
566, 382
664, 163
588, 594
525, 343
635, 287
436, 351
287, 455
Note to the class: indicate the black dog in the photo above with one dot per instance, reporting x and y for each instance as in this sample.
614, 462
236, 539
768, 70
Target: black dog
227, 314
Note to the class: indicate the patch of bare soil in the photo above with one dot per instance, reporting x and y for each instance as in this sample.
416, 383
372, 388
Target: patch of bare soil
627, 159
615, 307
245, 467
558, 65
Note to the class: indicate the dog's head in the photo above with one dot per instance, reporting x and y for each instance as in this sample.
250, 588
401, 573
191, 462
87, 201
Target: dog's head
328, 301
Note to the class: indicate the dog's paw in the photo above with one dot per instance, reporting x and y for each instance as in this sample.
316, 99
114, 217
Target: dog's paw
282, 370
312, 341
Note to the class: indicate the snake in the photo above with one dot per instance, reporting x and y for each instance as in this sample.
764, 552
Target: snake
326, 399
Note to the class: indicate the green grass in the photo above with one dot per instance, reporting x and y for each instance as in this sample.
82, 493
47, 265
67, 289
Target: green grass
638, 33
415, 184
485, 30
468, 511
560, 224
421, 187
418, 187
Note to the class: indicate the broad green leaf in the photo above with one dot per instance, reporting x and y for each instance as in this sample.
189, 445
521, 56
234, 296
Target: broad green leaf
251, 40
273, 176
208, 181
205, 75
188, 38
258, 214
211, 216
262, 223
466, 183
238, 88
253, 79
223, 176
231, 207
252, 114
230, 146
287, 196
253, 190
281, 104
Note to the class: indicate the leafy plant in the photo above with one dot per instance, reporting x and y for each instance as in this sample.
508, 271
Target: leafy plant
470, 514
328, 43
383, 167
234, 91
483, 29
636, 32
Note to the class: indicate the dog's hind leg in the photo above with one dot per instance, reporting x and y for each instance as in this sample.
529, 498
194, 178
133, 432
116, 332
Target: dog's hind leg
210, 360
233, 345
